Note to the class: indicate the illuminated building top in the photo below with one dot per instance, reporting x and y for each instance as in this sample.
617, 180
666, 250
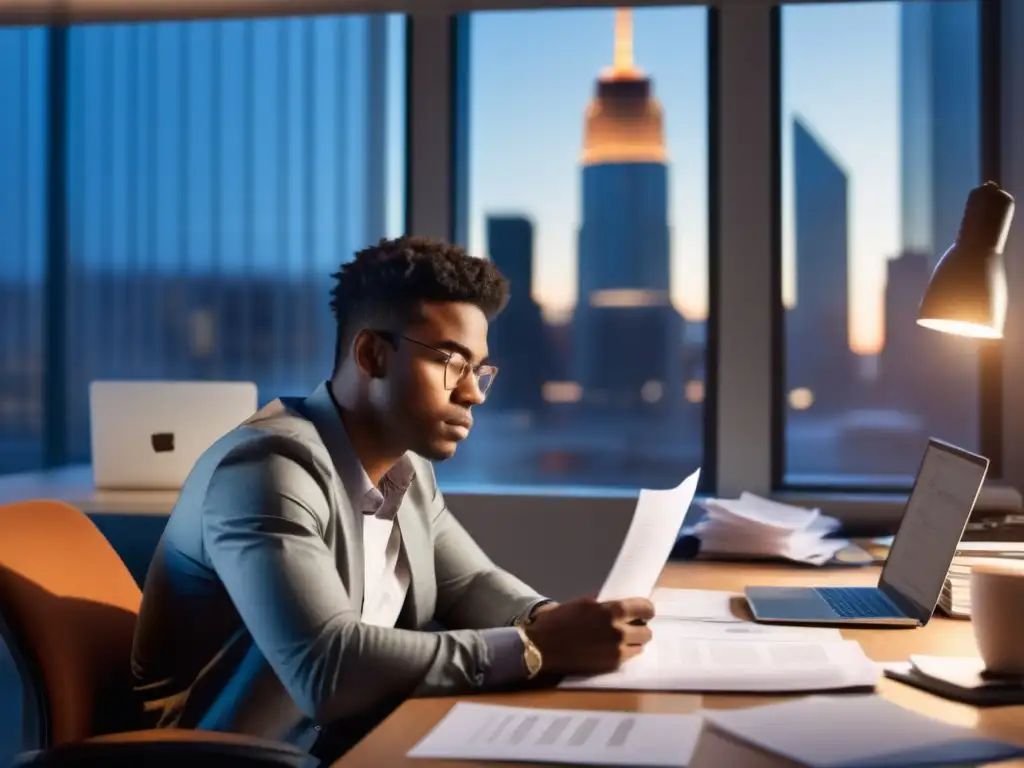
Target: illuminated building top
624, 122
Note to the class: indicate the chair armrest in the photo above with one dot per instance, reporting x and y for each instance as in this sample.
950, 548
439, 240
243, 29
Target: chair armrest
166, 747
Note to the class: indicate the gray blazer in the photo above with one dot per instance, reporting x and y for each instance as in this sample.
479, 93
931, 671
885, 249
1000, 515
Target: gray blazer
250, 618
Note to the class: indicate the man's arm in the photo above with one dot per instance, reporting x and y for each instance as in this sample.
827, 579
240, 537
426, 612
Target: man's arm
262, 534
472, 592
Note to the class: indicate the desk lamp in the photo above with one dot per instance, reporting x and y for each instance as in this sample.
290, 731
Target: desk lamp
966, 295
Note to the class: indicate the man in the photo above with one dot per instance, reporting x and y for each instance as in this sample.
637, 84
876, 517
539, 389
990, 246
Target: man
310, 548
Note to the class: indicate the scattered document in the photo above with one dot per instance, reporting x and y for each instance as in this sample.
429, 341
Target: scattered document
652, 533
686, 656
752, 526
847, 732
695, 604
747, 630
490, 732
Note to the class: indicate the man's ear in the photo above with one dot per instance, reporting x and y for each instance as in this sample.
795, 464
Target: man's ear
370, 353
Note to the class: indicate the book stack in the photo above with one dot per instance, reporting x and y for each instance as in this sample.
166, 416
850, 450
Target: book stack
955, 599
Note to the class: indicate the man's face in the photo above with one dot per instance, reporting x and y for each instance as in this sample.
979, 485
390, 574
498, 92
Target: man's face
428, 403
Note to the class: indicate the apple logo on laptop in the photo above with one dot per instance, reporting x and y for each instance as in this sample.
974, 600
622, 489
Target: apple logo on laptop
163, 442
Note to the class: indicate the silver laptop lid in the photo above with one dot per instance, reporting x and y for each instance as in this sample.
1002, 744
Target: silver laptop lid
149, 434
946, 488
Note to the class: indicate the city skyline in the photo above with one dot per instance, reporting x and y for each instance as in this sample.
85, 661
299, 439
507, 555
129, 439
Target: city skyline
214, 186
840, 64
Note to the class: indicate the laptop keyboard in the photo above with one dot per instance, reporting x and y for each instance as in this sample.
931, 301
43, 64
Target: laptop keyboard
858, 602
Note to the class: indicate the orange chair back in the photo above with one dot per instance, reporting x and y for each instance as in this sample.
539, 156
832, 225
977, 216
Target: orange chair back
68, 607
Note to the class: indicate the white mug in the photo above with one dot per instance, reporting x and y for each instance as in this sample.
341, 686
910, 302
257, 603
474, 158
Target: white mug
997, 616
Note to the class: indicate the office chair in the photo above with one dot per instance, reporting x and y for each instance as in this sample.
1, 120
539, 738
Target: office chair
68, 607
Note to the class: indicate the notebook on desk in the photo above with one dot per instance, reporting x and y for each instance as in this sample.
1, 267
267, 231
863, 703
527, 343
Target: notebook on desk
948, 482
959, 679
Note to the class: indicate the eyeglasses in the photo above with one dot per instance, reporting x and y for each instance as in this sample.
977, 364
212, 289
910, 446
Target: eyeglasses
456, 367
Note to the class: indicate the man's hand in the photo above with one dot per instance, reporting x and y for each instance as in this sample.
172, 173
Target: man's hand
585, 637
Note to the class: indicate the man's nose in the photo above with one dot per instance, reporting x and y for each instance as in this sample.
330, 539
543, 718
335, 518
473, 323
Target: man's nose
469, 392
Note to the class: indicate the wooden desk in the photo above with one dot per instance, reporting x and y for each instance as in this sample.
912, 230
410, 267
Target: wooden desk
74, 485
388, 744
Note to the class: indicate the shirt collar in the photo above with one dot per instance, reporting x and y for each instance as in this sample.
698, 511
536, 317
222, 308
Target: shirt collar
381, 501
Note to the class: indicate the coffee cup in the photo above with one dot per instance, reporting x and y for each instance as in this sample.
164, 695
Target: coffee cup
997, 616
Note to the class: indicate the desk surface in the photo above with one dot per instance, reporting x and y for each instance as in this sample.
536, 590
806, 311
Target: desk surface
388, 744
74, 485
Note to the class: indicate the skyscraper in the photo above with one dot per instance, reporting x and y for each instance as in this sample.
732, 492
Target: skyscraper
940, 116
906, 278
819, 346
518, 343
627, 336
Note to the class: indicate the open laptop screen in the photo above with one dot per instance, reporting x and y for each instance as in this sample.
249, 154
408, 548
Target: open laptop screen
947, 485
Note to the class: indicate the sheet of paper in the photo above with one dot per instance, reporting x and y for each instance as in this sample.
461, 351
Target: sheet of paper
856, 732
684, 656
652, 533
473, 731
743, 630
695, 604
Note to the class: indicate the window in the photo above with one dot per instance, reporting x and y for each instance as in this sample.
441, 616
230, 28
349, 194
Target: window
880, 144
219, 172
588, 186
23, 137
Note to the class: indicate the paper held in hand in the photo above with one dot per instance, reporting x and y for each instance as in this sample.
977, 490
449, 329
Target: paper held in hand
652, 533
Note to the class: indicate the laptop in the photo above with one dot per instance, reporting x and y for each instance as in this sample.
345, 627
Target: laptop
947, 485
149, 434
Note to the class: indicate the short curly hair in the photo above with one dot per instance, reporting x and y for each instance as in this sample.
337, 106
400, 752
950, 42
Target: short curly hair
383, 286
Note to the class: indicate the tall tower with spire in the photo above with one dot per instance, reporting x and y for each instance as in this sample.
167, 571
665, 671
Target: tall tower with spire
627, 336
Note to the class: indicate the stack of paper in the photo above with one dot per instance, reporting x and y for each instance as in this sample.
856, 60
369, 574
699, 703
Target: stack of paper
739, 656
955, 599
752, 526
817, 732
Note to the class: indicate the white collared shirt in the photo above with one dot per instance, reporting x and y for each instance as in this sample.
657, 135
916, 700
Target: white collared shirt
385, 573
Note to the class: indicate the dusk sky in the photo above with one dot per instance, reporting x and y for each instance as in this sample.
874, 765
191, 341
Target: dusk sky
533, 74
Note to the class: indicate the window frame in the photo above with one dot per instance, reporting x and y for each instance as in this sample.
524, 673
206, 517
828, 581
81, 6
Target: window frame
743, 422
990, 358
459, 193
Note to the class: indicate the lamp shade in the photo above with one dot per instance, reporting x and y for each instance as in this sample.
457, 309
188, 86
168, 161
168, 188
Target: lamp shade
967, 291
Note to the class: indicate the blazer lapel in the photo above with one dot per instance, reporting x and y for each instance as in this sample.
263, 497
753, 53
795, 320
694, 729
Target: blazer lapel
418, 555
348, 552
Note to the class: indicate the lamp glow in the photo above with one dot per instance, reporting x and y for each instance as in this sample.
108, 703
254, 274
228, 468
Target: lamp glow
966, 294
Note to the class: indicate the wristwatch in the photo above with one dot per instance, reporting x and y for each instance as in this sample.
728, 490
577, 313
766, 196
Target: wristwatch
531, 654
